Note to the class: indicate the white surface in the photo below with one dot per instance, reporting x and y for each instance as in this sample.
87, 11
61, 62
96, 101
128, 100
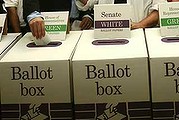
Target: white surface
20, 52
157, 48
7, 40
87, 51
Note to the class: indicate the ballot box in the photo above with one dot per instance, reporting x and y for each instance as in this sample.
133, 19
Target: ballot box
110, 78
164, 62
35, 80
6, 42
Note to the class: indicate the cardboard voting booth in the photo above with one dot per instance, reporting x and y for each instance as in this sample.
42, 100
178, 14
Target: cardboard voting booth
164, 62
112, 21
110, 78
35, 80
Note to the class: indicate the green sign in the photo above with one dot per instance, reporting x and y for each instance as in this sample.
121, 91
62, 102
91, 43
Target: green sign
169, 21
55, 28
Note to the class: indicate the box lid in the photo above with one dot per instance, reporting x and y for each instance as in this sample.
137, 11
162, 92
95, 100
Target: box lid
158, 48
135, 47
7, 41
20, 52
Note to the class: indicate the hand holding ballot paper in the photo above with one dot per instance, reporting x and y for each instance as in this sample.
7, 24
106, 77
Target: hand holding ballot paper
52, 26
37, 27
42, 41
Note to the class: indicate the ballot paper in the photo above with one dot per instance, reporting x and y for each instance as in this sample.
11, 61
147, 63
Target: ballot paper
43, 41
76, 25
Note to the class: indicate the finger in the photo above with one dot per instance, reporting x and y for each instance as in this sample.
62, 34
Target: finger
88, 24
82, 24
85, 24
40, 29
43, 29
36, 30
33, 28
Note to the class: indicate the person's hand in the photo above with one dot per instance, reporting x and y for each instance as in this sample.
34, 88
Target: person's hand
86, 23
136, 25
37, 27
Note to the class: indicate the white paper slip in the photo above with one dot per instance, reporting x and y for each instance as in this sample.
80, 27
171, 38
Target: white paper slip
76, 25
106, 1
43, 41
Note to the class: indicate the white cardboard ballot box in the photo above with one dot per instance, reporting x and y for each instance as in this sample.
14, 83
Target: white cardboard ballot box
110, 78
164, 62
35, 81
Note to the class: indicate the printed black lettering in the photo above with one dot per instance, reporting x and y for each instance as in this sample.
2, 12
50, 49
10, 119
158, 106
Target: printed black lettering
101, 74
107, 90
16, 73
117, 90
100, 89
32, 73
90, 70
31, 91
177, 86
169, 69
108, 71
